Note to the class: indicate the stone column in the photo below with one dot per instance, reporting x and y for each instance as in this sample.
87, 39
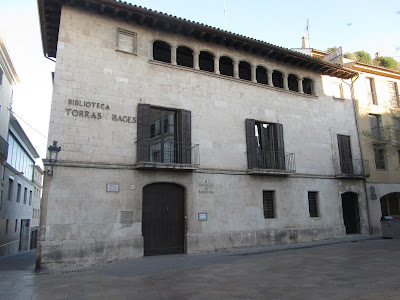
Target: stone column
216, 64
196, 60
253, 73
269, 75
235, 69
285, 81
300, 85
173, 55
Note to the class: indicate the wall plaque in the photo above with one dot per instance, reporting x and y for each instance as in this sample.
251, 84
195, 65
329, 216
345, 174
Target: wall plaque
126, 217
112, 187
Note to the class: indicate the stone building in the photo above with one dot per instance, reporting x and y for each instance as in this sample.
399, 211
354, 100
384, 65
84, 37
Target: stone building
177, 137
37, 197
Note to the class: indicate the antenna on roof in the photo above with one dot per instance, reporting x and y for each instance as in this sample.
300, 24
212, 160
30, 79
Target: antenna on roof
306, 37
226, 27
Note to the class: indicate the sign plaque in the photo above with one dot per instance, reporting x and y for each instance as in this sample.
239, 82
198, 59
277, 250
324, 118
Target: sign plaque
112, 187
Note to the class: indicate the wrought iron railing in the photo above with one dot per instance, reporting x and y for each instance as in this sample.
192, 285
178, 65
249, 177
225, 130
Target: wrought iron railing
351, 168
169, 152
3, 148
271, 160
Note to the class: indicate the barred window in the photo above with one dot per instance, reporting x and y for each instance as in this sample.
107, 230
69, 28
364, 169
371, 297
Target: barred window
313, 204
269, 204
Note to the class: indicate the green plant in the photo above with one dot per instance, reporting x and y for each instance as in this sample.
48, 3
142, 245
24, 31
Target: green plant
363, 57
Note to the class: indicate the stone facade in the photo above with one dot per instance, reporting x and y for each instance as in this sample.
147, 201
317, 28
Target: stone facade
95, 119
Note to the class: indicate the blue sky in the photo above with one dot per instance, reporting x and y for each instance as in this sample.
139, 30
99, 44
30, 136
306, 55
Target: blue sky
367, 25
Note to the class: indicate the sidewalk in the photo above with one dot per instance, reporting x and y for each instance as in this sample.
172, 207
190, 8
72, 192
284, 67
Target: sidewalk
357, 267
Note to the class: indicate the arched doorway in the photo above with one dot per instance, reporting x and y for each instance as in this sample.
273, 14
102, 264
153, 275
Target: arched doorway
163, 219
351, 214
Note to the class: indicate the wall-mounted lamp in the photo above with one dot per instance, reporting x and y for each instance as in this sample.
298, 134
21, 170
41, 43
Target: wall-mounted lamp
53, 150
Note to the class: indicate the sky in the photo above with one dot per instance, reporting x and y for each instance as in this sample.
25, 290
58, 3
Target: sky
372, 26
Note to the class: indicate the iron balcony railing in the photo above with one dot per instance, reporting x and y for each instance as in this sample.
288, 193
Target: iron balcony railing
351, 168
272, 161
168, 152
3, 149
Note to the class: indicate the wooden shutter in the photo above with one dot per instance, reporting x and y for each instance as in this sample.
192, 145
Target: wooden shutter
279, 146
346, 164
251, 144
143, 133
185, 136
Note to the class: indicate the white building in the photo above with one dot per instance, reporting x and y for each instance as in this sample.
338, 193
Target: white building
37, 197
177, 137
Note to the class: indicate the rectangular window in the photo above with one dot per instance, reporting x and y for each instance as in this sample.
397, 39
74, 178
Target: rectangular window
346, 159
394, 94
7, 226
164, 136
265, 146
16, 225
19, 193
372, 99
126, 41
10, 188
30, 197
375, 123
337, 90
269, 204
313, 204
25, 195
380, 158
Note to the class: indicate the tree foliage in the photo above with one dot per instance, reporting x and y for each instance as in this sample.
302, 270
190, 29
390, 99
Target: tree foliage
387, 62
363, 57
380, 61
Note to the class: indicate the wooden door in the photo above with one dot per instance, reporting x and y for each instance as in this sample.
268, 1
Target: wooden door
163, 219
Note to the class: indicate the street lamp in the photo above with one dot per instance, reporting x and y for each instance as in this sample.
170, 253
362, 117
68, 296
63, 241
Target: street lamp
53, 150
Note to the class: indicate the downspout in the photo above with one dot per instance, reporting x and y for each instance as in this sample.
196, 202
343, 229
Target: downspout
370, 228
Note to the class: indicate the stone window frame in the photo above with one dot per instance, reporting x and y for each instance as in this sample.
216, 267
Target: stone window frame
126, 33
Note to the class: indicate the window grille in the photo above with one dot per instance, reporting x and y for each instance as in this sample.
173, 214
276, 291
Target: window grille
313, 204
269, 205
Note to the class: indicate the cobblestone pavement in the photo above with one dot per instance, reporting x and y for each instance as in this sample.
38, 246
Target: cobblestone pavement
352, 268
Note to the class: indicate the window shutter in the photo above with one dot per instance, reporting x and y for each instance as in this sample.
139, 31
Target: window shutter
251, 144
279, 146
346, 164
185, 136
143, 133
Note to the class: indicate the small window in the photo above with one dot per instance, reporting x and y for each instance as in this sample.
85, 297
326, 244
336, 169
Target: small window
7, 226
261, 75
19, 193
30, 197
16, 225
394, 94
313, 204
337, 88
126, 41
380, 158
293, 83
10, 188
372, 99
375, 123
269, 204
206, 61
277, 79
162, 51
25, 195
308, 86
184, 57
244, 70
226, 66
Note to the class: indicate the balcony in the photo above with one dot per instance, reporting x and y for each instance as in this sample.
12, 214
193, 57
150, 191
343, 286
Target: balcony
351, 168
3, 149
169, 155
271, 163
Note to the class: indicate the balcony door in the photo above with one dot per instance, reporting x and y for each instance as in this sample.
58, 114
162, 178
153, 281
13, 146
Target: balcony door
346, 161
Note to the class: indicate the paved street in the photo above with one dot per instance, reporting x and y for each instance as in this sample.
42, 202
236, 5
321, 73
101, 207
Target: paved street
352, 268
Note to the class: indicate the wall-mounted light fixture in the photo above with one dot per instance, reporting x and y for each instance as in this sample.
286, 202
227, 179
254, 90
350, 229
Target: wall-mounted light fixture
53, 150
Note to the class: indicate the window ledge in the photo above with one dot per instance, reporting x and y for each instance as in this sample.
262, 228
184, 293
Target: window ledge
269, 172
169, 65
126, 52
165, 166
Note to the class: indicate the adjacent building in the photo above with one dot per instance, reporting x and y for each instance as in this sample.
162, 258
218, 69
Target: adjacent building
17, 197
177, 137
37, 197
